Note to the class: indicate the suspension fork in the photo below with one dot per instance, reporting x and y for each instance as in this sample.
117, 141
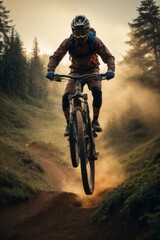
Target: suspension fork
71, 108
88, 122
73, 103
85, 107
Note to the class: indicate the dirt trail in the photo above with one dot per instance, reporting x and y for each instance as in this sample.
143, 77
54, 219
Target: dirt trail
57, 174
64, 178
47, 216
51, 215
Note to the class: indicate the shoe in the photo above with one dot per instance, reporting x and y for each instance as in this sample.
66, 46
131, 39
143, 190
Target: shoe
96, 126
66, 133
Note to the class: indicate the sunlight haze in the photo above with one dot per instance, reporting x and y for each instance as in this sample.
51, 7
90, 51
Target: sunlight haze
50, 20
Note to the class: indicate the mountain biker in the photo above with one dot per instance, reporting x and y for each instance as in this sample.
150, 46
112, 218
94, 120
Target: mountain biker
84, 47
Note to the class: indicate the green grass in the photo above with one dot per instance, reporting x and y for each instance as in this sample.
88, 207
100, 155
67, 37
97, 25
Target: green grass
21, 174
138, 198
22, 124
13, 189
128, 130
142, 157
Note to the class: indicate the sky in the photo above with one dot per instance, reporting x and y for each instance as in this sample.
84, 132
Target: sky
49, 21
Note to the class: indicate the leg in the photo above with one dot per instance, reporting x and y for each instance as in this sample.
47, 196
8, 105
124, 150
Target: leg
65, 106
70, 88
65, 103
95, 88
97, 103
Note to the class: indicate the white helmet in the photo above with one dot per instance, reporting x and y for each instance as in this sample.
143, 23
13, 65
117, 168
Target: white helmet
80, 21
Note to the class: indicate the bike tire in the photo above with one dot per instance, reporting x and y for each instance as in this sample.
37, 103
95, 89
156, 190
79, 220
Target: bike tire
73, 143
89, 128
87, 166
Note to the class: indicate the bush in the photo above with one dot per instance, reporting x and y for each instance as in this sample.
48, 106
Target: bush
13, 189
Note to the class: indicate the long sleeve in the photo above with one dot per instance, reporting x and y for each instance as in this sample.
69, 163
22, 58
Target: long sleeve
57, 56
104, 53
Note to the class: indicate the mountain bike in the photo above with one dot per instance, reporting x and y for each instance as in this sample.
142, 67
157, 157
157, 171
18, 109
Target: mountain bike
81, 134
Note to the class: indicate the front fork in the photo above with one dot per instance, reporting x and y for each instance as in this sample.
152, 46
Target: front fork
90, 134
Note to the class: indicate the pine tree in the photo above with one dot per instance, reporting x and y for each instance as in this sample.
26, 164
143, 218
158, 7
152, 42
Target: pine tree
14, 81
37, 82
20, 65
145, 43
4, 33
4, 25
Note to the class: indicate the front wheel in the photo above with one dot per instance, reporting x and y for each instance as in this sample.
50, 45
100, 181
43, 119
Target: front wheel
87, 166
73, 143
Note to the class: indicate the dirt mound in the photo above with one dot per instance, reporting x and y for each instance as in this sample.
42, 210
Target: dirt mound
58, 215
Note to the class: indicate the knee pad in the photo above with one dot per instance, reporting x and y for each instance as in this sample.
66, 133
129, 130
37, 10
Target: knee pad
65, 102
97, 97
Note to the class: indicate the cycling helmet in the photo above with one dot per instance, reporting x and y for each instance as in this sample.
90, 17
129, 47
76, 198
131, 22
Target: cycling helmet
80, 21
80, 28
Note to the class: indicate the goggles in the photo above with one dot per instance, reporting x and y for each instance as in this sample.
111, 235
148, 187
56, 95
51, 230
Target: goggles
80, 33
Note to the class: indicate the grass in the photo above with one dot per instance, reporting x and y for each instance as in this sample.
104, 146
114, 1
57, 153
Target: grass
13, 189
142, 157
138, 198
22, 124
21, 174
128, 130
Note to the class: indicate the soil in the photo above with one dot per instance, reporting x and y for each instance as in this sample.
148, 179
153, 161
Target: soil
62, 214
57, 215
51, 215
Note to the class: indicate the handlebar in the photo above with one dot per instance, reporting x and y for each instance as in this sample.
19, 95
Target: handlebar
60, 77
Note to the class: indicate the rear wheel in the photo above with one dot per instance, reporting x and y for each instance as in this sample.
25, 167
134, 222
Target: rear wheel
87, 166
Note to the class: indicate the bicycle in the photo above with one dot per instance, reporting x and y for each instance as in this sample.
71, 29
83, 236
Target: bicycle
81, 135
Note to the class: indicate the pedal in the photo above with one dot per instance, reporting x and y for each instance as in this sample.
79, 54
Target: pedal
95, 134
94, 156
87, 137
66, 136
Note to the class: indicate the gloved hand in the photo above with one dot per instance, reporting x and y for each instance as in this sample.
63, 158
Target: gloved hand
50, 75
110, 74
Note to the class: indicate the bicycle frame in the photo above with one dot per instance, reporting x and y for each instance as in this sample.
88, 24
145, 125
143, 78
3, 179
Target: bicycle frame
78, 96
81, 134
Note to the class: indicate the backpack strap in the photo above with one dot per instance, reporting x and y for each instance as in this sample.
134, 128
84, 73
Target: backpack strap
91, 35
91, 41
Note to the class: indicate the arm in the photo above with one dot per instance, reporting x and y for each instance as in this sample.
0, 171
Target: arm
58, 55
104, 53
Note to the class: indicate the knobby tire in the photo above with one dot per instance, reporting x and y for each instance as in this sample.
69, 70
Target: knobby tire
73, 143
87, 167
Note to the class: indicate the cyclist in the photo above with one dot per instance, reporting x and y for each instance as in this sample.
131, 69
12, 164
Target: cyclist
84, 47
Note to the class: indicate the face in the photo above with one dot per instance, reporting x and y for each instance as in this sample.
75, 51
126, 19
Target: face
81, 34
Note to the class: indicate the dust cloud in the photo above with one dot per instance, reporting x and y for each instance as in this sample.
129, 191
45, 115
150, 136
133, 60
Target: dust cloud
120, 95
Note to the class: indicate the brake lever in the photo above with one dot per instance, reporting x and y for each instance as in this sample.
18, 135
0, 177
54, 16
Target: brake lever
101, 76
57, 78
